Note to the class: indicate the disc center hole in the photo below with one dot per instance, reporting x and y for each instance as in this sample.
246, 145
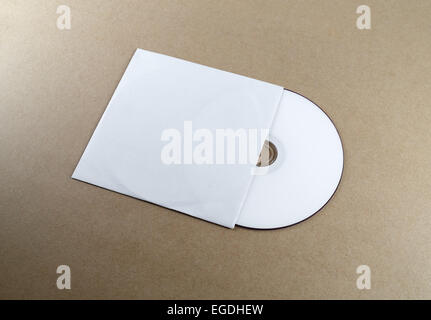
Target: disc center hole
268, 155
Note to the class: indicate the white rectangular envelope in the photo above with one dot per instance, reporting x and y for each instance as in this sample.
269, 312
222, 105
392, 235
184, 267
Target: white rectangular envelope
159, 93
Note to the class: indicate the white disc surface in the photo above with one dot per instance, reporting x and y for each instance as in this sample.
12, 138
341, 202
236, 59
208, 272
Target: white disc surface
306, 172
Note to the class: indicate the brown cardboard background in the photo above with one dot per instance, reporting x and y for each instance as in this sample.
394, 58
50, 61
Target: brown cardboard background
375, 85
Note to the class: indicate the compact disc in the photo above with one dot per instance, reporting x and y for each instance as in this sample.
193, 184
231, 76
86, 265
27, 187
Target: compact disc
305, 173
